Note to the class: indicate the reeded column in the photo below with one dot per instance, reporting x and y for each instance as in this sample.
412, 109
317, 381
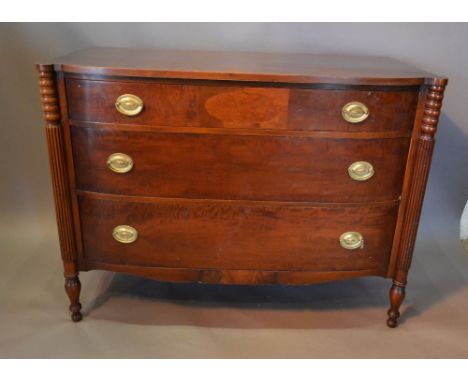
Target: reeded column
58, 170
424, 149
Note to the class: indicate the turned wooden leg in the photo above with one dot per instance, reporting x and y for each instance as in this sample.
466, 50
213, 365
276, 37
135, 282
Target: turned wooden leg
397, 295
419, 158
50, 98
73, 288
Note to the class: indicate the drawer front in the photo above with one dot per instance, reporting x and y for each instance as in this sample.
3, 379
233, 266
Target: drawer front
241, 107
180, 105
236, 235
321, 110
214, 166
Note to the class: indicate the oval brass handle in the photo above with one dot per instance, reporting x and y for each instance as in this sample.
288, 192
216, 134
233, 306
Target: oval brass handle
355, 112
129, 104
352, 240
361, 171
125, 234
120, 163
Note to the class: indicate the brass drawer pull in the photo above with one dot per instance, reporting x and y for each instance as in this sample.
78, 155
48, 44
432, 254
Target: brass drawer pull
120, 163
361, 171
125, 234
352, 240
355, 112
129, 104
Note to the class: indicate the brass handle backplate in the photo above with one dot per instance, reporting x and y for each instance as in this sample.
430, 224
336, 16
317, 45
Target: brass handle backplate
352, 240
361, 171
355, 112
125, 234
120, 163
129, 104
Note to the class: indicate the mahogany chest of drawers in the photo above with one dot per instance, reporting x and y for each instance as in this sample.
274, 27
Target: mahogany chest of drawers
238, 168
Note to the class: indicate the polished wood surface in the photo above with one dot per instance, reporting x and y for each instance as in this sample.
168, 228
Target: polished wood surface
236, 234
222, 166
235, 106
239, 165
181, 104
60, 185
320, 110
242, 66
424, 147
231, 276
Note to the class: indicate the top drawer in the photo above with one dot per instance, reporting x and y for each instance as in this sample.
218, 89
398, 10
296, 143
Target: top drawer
217, 105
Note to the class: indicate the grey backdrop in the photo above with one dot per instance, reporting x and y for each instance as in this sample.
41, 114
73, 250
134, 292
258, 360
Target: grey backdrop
439, 48
26, 207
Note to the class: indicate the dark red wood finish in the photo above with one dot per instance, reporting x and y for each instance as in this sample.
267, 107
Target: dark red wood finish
242, 66
243, 107
215, 234
240, 165
423, 143
59, 174
222, 166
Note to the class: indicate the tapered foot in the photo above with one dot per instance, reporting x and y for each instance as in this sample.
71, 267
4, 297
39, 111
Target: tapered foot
397, 295
392, 320
76, 314
73, 288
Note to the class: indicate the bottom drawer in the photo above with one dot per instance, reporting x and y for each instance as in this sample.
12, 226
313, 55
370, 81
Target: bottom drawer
207, 234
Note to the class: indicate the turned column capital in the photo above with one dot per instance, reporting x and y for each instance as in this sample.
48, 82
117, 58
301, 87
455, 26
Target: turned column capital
48, 93
432, 106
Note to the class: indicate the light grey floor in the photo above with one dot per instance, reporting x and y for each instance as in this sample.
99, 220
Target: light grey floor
132, 317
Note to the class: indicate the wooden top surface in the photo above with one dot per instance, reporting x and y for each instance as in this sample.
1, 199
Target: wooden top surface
244, 66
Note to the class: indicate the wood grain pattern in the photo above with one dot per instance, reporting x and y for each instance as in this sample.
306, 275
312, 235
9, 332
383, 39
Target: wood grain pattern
241, 107
238, 167
199, 234
180, 104
245, 132
241, 164
425, 146
58, 170
320, 110
243, 66
232, 276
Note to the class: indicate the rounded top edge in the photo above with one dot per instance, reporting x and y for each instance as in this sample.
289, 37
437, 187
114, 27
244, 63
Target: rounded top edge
436, 81
45, 67
241, 76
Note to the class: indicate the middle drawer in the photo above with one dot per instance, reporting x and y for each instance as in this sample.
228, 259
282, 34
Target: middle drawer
238, 167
